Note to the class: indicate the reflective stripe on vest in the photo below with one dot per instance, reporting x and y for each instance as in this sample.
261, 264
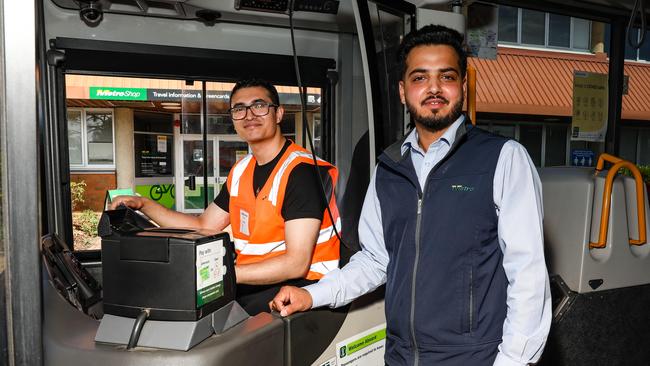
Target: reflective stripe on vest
324, 267
237, 172
273, 195
242, 246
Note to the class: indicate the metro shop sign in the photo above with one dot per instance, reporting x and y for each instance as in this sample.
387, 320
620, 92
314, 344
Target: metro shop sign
118, 93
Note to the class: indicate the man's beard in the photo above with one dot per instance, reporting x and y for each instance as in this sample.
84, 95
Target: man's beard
434, 122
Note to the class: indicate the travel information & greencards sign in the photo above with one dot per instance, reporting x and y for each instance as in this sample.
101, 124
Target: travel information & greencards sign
177, 95
118, 93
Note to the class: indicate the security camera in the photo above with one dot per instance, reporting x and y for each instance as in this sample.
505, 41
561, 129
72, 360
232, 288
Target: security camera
91, 12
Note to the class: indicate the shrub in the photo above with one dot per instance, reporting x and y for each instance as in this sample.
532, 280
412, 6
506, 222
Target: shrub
88, 221
77, 190
643, 169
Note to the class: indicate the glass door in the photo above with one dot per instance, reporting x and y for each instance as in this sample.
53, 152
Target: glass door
192, 198
195, 160
229, 150
383, 24
224, 149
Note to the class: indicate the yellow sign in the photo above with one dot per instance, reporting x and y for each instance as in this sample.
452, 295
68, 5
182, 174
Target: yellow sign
239, 154
590, 92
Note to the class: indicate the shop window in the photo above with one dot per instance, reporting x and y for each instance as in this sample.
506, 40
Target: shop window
634, 144
628, 143
153, 122
546, 143
218, 124
75, 143
534, 28
191, 124
644, 50
288, 126
642, 54
316, 134
531, 137
555, 147
581, 31
221, 125
153, 155
644, 147
504, 130
559, 30
90, 138
508, 20
193, 159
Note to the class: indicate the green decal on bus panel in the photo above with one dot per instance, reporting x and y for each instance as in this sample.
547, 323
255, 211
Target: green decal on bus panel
161, 193
119, 192
365, 341
110, 93
209, 272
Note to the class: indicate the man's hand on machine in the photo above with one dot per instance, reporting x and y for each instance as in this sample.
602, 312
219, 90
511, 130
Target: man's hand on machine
291, 299
134, 202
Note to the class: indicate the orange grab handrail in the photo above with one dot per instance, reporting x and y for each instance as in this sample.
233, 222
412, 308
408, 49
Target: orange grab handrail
471, 94
607, 199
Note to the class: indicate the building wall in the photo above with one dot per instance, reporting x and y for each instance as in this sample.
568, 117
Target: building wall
124, 154
96, 186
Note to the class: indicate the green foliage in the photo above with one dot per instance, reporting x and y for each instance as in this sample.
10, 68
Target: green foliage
87, 222
644, 169
77, 190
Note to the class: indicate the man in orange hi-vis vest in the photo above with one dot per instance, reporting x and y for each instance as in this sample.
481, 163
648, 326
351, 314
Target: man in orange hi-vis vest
272, 200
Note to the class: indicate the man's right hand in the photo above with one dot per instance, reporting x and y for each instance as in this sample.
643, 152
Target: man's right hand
291, 299
134, 202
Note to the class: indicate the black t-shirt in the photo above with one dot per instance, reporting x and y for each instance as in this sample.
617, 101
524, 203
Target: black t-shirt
303, 197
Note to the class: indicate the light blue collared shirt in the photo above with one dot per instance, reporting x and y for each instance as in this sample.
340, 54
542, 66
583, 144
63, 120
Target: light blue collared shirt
517, 195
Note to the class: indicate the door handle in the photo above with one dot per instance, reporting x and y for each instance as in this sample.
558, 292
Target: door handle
191, 182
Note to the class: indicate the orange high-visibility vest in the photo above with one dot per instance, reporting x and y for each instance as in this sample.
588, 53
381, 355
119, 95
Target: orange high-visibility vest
257, 223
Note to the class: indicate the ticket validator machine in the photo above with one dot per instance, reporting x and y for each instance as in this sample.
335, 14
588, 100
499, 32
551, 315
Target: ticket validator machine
164, 287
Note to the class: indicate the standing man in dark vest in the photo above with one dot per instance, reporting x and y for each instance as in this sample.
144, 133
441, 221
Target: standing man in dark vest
452, 223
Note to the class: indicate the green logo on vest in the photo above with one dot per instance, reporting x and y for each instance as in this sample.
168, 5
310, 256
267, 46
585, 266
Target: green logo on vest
461, 188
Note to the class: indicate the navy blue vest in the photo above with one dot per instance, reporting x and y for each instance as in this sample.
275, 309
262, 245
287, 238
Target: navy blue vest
446, 287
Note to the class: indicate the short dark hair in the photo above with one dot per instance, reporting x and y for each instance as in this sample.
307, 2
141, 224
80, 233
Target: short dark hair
250, 83
432, 35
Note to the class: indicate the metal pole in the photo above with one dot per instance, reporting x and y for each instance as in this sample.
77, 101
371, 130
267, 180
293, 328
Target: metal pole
615, 85
20, 182
206, 156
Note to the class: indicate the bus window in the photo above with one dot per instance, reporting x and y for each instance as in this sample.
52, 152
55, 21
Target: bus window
147, 135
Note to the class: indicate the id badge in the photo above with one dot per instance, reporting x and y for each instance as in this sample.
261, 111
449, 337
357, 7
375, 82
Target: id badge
243, 222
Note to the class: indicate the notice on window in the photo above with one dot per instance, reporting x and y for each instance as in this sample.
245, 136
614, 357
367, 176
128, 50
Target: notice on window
583, 158
590, 93
162, 143
482, 30
366, 348
209, 272
197, 155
